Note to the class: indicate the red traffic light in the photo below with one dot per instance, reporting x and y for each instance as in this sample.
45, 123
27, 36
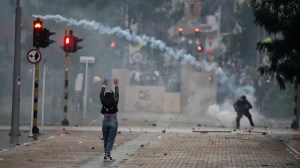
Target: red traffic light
41, 35
37, 24
67, 40
199, 48
68, 43
112, 44
71, 42
180, 29
197, 30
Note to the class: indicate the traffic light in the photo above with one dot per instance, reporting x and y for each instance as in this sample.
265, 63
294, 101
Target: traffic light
180, 31
71, 42
199, 48
197, 31
112, 44
41, 35
68, 43
37, 32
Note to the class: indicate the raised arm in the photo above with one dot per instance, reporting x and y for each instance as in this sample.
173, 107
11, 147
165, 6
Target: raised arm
116, 82
104, 82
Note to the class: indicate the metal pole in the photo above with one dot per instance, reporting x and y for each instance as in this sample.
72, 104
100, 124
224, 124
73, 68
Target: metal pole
67, 61
85, 90
43, 98
32, 103
15, 117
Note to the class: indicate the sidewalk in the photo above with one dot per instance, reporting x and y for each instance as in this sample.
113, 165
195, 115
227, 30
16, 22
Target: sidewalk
155, 147
220, 150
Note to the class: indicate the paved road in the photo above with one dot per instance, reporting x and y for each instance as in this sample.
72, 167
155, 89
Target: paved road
81, 147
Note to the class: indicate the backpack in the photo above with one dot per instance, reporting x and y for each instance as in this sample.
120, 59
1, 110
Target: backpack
108, 102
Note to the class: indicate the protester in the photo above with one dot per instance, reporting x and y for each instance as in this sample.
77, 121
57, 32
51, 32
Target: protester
109, 109
242, 107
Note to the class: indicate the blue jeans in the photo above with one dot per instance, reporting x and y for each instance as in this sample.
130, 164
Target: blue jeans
109, 131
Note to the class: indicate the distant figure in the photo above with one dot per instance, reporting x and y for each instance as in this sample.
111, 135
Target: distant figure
242, 107
109, 109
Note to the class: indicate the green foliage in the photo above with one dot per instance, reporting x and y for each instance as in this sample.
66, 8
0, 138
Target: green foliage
281, 19
278, 103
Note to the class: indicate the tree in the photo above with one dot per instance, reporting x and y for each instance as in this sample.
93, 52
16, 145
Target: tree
281, 20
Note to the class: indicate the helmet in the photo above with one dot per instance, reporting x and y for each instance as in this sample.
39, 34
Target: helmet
243, 97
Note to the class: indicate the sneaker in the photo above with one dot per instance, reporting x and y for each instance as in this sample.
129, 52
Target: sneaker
108, 158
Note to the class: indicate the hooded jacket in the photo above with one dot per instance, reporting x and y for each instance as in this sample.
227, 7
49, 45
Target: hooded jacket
114, 109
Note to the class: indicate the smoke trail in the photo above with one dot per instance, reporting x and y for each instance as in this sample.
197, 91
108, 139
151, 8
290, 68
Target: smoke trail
133, 37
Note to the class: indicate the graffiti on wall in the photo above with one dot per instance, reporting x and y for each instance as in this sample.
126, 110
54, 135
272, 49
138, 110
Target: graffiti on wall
144, 101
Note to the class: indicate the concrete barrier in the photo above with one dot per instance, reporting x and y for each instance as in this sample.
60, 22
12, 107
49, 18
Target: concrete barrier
144, 99
172, 102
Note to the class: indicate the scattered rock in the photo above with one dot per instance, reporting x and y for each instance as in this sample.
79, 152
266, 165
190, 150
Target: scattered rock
93, 148
163, 131
199, 125
119, 132
154, 125
165, 154
142, 146
101, 139
264, 133
76, 125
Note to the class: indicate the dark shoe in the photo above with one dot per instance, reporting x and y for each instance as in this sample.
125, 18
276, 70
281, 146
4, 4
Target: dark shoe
108, 159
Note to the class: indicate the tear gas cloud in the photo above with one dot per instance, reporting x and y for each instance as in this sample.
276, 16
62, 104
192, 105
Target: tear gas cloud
221, 116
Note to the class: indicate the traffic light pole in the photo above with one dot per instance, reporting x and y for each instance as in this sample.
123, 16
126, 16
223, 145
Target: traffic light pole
67, 62
35, 129
15, 117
